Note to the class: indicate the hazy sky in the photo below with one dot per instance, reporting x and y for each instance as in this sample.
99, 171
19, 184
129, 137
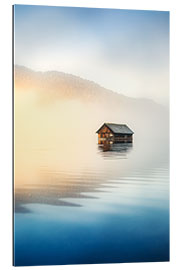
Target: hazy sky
126, 51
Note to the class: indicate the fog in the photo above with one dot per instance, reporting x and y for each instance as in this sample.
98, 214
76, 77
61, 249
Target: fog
56, 140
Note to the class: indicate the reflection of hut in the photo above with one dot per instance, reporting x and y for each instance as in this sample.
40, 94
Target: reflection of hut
115, 133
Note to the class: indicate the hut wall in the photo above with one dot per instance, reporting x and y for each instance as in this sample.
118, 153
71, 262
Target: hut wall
123, 138
104, 135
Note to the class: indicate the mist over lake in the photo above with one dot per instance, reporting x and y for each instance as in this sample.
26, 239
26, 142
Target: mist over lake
77, 202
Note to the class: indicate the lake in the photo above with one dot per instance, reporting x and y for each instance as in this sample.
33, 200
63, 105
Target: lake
79, 203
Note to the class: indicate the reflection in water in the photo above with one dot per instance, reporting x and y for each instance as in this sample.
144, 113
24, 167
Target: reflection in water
55, 186
116, 196
116, 150
59, 187
124, 213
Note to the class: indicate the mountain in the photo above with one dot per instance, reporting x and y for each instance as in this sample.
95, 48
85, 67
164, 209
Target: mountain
99, 104
68, 86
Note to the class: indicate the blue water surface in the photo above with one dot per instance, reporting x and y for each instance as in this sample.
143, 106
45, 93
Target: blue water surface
117, 216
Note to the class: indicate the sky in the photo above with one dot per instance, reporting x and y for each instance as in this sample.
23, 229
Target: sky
126, 51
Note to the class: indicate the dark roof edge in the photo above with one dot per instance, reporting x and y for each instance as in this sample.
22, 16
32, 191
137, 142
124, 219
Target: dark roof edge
100, 128
106, 124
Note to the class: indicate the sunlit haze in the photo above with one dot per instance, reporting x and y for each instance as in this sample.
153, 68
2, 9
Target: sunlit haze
86, 192
126, 51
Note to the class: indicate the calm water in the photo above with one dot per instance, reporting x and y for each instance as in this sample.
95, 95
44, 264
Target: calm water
92, 205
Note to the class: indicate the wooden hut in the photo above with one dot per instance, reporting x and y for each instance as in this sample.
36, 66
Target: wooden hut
114, 133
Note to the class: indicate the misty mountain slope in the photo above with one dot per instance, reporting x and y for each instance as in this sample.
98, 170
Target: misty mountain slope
68, 86
60, 84
94, 103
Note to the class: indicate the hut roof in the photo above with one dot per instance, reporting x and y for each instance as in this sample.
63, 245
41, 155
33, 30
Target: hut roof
117, 128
